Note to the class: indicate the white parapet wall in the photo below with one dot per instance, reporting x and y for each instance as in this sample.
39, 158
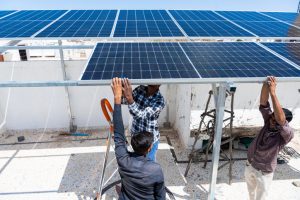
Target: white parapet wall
46, 107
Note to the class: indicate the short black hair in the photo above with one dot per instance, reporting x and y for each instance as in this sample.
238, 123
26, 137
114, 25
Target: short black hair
141, 142
288, 114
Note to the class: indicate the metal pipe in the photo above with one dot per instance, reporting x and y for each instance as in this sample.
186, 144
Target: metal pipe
47, 47
141, 82
217, 140
73, 127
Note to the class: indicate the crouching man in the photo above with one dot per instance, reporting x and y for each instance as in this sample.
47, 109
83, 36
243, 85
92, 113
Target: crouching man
263, 151
141, 178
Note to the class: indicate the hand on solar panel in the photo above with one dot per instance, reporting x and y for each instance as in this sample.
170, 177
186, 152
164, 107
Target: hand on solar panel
116, 86
127, 90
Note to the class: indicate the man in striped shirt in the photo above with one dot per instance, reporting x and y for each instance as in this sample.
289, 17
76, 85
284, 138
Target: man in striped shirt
145, 103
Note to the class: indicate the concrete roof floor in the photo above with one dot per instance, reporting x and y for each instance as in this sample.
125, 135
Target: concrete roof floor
68, 167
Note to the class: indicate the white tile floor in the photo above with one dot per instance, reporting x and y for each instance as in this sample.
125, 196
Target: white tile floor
63, 169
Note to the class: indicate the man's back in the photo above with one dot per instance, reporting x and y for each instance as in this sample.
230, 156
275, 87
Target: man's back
140, 177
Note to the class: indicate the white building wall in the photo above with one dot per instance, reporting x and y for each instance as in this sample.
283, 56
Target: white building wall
46, 107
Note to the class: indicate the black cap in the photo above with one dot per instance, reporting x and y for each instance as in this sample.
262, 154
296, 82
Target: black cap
288, 114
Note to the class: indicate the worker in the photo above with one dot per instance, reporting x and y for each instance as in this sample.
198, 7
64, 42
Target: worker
141, 178
145, 103
263, 151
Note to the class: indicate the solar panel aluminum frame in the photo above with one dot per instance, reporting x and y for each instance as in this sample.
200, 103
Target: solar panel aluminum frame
188, 81
74, 83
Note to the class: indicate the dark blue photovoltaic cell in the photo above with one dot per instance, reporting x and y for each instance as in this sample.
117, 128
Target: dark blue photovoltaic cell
138, 61
291, 18
290, 51
206, 24
93, 15
195, 15
212, 28
284, 16
228, 59
82, 23
78, 29
245, 16
146, 23
143, 15
36, 15
261, 25
5, 12
270, 29
20, 28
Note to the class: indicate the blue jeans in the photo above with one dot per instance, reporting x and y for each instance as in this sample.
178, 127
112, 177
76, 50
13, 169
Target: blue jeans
152, 154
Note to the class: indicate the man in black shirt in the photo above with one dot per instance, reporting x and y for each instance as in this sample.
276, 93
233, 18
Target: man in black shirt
141, 178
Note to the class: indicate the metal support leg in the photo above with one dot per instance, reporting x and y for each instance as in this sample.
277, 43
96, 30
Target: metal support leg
72, 126
231, 139
215, 92
217, 140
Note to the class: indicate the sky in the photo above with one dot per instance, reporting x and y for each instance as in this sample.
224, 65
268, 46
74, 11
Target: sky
243, 5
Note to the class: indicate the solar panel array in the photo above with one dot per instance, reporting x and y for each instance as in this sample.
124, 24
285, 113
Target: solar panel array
184, 61
146, 23
260, 24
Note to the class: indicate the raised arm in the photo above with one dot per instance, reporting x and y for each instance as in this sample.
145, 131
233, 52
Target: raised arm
264, 94
134, 109
119, 137
278, 112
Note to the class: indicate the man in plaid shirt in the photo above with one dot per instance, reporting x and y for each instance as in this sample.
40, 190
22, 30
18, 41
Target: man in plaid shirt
145, 104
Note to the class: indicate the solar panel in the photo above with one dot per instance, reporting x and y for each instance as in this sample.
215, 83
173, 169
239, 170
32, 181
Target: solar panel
260, 24
146, 23
206, 24
98, 15
5, 12
82, 23
270, 29
228, 59
290, 51
284, 16
212, 28
20, 28
138, 61
36, 15
245, 16
195, 15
